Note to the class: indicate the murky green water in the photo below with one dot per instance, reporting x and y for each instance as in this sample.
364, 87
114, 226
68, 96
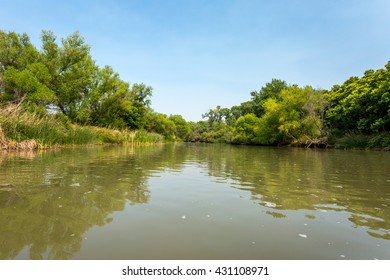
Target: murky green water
195, 202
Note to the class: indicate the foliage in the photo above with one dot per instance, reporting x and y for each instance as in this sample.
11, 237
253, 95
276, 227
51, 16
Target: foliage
64, 78
270, 90
143, 136
20, 125
161, 124
295, 115
60, 85
244, 129
361, 104
182, 131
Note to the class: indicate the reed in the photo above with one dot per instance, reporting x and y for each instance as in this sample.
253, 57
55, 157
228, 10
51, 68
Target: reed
20, 128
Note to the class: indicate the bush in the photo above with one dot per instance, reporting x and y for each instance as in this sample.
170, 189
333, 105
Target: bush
352, 141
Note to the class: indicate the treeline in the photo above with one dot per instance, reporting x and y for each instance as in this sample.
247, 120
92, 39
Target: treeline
63, 82
355, 114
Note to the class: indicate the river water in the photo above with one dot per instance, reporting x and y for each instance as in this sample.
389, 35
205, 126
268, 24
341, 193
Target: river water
195, 201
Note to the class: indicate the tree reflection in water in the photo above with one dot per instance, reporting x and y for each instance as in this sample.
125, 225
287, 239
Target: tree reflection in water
49, 200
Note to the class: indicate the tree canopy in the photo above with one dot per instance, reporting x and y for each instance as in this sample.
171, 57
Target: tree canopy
64, 79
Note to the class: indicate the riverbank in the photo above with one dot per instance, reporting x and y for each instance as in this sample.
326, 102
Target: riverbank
23, 130
380, 141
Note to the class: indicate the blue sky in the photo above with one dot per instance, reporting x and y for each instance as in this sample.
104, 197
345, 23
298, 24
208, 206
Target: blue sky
200, 54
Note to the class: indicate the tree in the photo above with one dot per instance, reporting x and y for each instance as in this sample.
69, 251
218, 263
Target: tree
270, 90
160, 123
16, 51
182, 127
28, 86
72, 70
296, 117
244, 129
22, 77
361, 104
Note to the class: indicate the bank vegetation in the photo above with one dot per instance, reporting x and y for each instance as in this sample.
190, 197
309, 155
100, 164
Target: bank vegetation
58, 95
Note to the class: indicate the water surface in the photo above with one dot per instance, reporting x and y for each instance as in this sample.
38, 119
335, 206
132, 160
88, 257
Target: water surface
195, 201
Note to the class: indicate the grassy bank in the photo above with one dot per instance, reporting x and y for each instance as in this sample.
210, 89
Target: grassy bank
20, 129
380, 141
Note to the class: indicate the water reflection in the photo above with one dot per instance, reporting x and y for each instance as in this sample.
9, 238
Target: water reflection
356, 182
51, 199
48, 204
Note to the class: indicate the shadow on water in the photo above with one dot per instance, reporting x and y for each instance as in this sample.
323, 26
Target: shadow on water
50, 199
357, 182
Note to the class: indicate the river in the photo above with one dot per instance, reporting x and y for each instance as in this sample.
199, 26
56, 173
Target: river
195, 201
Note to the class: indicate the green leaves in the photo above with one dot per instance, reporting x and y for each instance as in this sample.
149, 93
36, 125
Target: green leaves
361, 104
65, 78
244, 129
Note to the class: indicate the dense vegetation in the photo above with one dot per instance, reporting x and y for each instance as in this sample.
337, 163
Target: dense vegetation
58, 95
61, 86
355, 114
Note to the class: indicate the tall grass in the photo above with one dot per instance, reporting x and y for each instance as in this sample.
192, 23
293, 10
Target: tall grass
19, 125
148, 137
358, 141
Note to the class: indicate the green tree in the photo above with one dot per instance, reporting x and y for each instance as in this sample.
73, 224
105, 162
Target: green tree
361, 104
160, 123
22, 76
196, 131
16, 51
270, 90
182, 127
296, 117
244, 129
72, 70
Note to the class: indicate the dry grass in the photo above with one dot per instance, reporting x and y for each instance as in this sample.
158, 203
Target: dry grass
6, 144
23, 130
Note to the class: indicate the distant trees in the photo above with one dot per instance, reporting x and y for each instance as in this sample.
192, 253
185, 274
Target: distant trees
282, 114
63, 79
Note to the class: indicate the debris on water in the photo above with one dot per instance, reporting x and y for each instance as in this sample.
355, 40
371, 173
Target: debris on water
183, 217
72, 234
60, 206
75, 185
310, 216
208, 216
7, 185
269, 204
305, 224
340, 187
299, 180
303, 235
342, 256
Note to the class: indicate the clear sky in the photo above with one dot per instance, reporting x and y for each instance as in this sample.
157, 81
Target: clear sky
197, 54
